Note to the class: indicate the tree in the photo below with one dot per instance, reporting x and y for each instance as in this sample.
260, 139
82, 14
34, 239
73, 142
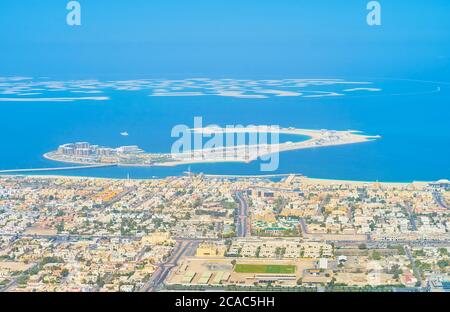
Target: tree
60, 227
22, 280
376, 255
100, 281
258, 250
396, 271
65, 273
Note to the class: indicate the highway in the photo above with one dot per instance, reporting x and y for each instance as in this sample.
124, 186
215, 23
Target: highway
383, 244
65, 237
266, 176
337, 242
278, 189
438, 198
242, 218
75, 237
183, 248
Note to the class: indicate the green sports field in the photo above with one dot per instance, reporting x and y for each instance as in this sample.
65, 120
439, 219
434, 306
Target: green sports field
265, 268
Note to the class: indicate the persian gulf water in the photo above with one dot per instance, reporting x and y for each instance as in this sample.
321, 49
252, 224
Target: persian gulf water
412, 118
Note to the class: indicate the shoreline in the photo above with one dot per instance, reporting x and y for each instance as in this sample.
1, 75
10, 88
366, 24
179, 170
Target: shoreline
310, 180
315, 139
344, 138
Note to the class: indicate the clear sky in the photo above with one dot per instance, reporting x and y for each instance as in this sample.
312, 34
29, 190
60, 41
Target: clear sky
226, 38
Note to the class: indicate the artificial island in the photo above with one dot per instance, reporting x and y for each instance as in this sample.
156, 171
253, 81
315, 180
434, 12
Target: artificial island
87, 154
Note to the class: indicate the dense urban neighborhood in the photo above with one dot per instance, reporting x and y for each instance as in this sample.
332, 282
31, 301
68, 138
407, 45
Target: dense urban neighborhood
199, 232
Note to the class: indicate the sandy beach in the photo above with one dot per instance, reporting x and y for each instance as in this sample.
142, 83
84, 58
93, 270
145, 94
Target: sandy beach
243, 153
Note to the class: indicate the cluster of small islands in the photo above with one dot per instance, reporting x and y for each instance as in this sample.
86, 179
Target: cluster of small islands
200, 232
26, 89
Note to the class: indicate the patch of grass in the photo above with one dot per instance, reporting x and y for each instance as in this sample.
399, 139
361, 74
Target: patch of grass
264, 268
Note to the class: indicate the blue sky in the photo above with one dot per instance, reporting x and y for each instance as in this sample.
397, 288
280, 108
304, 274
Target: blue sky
225, 38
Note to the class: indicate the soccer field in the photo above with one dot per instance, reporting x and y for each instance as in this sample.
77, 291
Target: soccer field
265, 268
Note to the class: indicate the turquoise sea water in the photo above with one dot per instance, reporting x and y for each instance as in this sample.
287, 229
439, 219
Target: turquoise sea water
412, 117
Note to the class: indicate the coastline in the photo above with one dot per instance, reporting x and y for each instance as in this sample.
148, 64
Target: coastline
352, 137
304, 179
316, 139
346, 137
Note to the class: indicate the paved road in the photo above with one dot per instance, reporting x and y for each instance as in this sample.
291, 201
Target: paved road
74, 237
416, 270
278, 189
303, 228
12, 284
438, 198
262, 176
381, 244
242, 218
65, 237
183, 248
68, 237
411, 217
